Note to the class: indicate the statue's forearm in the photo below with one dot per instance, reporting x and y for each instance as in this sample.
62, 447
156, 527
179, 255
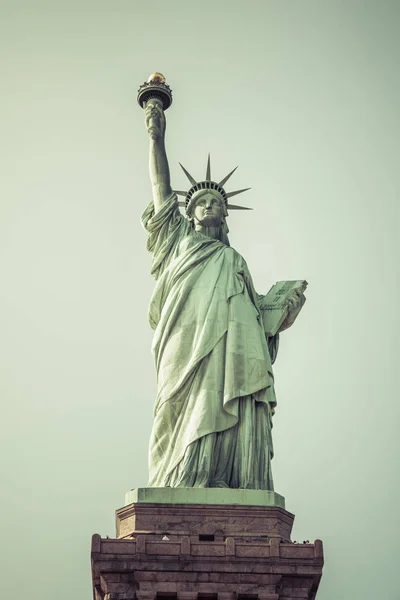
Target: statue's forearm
159, 172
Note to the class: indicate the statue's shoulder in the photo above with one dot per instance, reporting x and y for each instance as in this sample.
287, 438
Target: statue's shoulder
167, 214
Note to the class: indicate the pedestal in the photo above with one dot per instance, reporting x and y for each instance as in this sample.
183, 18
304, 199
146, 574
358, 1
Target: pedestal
205, 544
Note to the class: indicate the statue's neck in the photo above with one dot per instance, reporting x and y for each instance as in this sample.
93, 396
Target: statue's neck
212, 232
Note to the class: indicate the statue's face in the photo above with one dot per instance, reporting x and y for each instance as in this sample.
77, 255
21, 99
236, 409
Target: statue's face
208, 210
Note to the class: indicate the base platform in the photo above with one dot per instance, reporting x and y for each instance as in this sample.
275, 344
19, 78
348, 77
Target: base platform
205, 496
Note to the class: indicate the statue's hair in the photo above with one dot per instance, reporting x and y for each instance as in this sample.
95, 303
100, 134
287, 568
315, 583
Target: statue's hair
224, 230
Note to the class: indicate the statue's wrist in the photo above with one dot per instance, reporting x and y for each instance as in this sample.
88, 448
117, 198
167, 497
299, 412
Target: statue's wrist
158, 142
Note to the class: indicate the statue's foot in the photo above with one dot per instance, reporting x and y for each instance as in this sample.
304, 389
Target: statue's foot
218, 484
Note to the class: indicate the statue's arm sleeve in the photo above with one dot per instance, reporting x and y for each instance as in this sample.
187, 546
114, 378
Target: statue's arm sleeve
165, 229
273, 345
272, 341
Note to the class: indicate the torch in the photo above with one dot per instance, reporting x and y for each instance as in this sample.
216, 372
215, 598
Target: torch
155, 88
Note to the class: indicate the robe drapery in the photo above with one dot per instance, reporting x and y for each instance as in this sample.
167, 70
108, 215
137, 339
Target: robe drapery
212, 417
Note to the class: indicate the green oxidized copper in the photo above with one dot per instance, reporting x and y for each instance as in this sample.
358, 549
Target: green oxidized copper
216, 398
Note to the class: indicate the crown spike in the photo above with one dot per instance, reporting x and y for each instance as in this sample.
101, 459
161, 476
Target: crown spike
208, 172
180, 193
188, 175
235, 207
225, 179
230, 194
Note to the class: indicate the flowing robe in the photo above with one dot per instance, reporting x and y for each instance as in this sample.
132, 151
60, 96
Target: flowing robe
212, 417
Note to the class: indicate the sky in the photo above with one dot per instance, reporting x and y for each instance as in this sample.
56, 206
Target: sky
304, 96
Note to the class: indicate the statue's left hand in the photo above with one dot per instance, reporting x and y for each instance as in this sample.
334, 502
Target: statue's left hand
295, 304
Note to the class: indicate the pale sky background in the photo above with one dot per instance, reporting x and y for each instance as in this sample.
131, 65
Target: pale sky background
304, 96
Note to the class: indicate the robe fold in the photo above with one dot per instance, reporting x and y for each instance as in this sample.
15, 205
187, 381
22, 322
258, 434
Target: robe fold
215, 384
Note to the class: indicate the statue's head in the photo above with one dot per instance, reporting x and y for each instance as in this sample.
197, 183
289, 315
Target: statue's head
207, 208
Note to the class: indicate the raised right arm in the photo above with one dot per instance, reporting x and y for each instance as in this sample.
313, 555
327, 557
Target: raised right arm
158, 162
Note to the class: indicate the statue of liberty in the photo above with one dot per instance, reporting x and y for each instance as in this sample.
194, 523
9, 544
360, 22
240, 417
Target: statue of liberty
216, 398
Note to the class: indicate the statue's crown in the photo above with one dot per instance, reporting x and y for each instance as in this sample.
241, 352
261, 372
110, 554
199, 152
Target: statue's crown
208, 184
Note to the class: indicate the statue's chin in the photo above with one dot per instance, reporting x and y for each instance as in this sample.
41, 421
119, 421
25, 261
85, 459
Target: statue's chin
210, 222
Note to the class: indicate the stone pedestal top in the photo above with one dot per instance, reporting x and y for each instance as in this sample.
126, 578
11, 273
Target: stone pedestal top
205, 496
204, 511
